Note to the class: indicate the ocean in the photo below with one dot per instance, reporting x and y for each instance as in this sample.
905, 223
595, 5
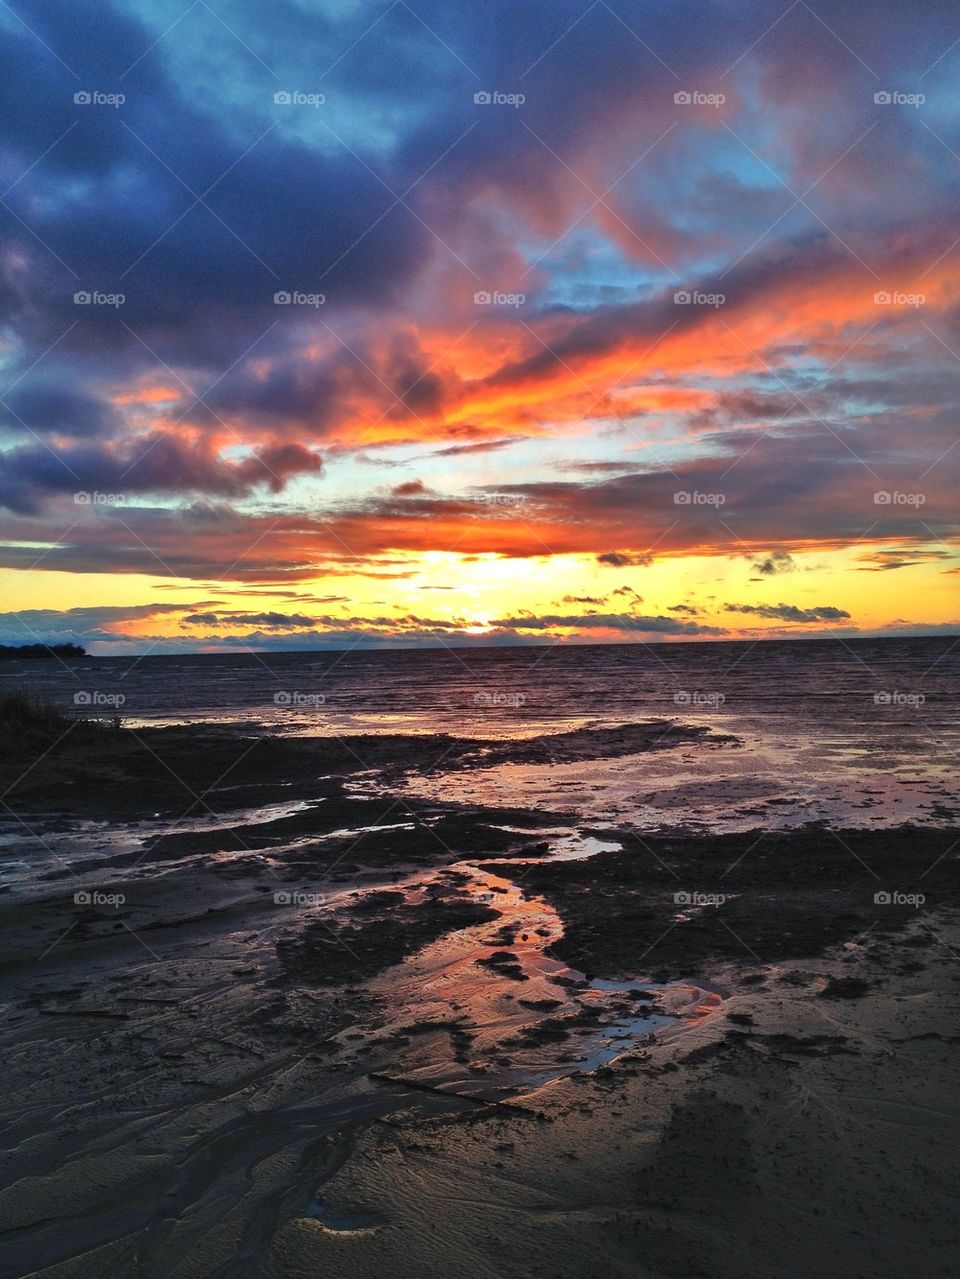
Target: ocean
853, 731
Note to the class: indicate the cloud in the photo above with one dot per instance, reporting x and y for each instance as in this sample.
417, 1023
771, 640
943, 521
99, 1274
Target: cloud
235, 617
484, 446
80, 624
773, 564
790, 612
624, 559
42, 407
627, 624
884, 560
212, 412
152, 464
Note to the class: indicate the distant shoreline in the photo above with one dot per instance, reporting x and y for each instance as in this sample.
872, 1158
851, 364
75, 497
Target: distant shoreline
40, 652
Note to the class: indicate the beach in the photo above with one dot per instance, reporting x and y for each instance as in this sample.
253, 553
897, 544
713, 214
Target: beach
298, 1005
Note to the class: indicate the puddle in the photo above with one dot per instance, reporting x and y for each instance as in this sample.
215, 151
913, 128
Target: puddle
486, 1011
340, 1219
776, 784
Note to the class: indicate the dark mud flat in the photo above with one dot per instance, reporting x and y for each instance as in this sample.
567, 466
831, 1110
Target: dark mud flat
596, 743
379, 831
318, 954
656, 906
140, 773
310, 977
131, 773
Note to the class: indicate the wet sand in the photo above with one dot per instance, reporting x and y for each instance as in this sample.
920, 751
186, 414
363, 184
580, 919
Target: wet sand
267, 1012
789, 1135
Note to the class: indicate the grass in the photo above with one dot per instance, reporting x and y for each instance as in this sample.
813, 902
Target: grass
30, 719
27, 715
25, 711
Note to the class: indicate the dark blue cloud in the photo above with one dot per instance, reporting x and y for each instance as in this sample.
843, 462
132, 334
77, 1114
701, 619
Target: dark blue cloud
40, 406
156, 464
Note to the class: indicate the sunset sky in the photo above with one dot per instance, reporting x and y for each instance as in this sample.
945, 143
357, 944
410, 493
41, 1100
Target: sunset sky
606, 322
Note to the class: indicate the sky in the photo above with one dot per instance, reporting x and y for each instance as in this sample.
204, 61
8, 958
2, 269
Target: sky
349, 323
